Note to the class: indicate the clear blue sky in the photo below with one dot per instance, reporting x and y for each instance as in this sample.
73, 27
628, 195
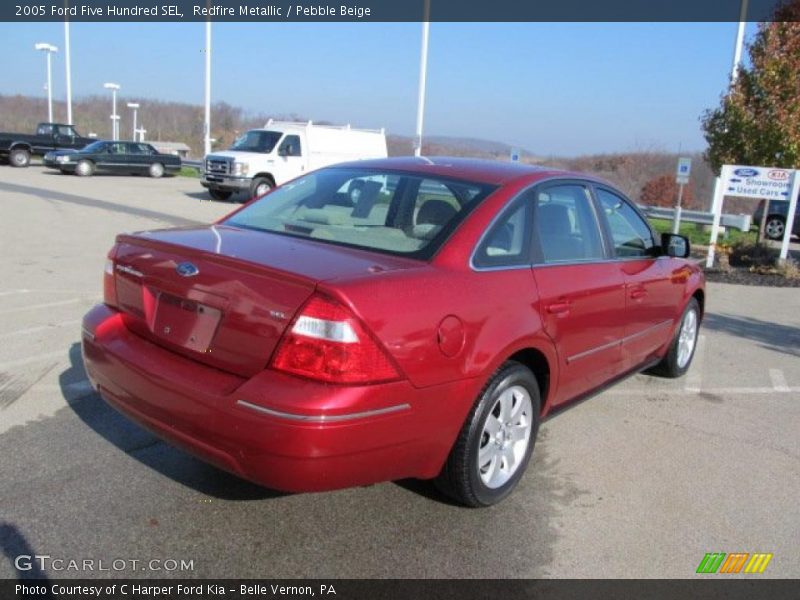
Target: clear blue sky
562, 89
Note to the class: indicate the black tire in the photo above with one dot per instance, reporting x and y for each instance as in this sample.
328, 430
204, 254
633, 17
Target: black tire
461, 477
156, 170
775, 227
670, 366
220, 195
260, 186
19, 158
84, 168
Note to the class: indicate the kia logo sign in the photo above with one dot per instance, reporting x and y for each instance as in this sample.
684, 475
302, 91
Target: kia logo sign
746, 173
777, 175
187, 269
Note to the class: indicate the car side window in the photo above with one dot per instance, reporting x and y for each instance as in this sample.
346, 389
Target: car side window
631, 235
566, 226
66, 131
506, 243
290, 146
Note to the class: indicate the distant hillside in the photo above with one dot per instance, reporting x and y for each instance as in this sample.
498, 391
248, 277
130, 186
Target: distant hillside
181, 122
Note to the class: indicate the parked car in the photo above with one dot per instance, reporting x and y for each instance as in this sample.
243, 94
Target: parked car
133, 158
17, 148
387, 319
260, 159
775, 225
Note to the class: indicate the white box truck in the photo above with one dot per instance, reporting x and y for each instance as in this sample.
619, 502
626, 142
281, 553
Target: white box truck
260, 159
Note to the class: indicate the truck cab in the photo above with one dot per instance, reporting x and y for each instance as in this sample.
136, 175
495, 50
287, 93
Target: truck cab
261, 159
18, 148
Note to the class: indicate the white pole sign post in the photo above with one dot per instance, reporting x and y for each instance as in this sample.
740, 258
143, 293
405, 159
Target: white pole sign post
681, 178
756, 183
787, 232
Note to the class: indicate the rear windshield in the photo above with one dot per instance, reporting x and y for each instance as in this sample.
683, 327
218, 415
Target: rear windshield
397, 213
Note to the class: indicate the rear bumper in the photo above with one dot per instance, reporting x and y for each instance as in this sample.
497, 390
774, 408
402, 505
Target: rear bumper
280, 431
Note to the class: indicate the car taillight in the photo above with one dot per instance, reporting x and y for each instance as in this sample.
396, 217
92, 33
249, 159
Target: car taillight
327, 342
109, 283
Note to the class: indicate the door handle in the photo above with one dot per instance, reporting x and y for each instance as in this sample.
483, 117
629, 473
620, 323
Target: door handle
559, 308
638, 293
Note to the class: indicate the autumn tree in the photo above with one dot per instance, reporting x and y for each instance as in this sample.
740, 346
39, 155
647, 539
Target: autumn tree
663, 191
758, 120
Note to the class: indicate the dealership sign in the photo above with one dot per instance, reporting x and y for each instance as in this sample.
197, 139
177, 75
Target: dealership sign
757, 182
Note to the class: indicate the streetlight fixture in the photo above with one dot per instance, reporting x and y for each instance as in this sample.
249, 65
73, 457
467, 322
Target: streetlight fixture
135, 107
48, 49
114, 87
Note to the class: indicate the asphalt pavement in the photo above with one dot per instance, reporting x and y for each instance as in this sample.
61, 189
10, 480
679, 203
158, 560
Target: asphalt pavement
640, 481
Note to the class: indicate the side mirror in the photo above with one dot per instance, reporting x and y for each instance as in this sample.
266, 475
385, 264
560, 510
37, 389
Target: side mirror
675, 245
285, 151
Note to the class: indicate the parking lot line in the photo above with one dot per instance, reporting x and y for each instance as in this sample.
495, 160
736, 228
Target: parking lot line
694, 378
9, 311
778, 380
14, 292
39, 328
693, 392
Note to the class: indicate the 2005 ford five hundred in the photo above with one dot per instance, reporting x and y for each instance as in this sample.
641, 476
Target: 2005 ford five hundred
387, 319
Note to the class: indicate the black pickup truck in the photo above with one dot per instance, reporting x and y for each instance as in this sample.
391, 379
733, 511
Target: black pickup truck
17, 148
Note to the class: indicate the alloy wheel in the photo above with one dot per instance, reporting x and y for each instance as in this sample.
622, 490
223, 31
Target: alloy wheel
687, 338
505, 437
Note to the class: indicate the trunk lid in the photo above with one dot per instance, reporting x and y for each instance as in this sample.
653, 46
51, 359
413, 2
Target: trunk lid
224, 296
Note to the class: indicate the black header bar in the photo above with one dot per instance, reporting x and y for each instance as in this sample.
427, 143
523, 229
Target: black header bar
386, 10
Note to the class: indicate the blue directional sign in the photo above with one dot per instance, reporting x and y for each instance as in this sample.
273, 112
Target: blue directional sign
684, 170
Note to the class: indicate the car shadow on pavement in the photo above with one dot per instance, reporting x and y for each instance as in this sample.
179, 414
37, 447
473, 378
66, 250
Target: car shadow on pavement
147, 448
234, 200
770, 335
13, 545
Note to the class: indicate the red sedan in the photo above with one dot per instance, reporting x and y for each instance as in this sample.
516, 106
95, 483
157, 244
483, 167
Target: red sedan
388, 319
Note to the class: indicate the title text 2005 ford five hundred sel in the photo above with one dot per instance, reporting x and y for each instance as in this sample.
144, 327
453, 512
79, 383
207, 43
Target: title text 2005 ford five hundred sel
389, 319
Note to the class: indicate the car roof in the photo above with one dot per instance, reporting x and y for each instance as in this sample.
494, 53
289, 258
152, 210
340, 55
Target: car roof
494, 172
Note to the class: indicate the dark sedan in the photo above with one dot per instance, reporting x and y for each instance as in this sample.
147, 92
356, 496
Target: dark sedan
133, 158
776, 220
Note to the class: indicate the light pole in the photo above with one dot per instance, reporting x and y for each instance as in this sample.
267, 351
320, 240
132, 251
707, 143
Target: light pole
737, 49
48, 49
114, 117
423, 72
68, 71
135, 107
207, 124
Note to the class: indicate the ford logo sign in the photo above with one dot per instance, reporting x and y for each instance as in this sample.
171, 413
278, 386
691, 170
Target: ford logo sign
187, 269
746, 173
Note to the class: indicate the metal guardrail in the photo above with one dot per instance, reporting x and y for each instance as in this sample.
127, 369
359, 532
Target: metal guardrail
193, 164
740, 222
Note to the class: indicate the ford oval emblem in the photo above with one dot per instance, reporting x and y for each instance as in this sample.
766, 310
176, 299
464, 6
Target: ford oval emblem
746, 173
187, 269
